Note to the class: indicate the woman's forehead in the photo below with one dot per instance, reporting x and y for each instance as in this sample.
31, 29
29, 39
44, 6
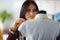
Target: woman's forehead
32, 6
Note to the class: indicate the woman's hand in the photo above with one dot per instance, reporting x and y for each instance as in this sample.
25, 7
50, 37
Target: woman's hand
16, 24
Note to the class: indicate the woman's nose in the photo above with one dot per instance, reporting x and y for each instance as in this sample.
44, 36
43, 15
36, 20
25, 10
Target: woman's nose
31, 13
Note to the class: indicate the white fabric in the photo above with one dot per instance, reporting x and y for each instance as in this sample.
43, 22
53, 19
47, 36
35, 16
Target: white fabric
39, 29
41, 15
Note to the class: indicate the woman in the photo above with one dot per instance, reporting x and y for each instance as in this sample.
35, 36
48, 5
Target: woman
28, 11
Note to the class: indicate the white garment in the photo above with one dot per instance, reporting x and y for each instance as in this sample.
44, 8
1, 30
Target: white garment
40, 29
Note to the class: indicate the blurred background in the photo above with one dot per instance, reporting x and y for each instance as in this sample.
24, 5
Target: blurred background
9, 11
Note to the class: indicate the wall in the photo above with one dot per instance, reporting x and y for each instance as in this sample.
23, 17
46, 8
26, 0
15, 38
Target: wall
14, 6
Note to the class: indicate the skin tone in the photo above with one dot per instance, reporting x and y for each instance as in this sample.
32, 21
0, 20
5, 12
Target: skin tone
30, 14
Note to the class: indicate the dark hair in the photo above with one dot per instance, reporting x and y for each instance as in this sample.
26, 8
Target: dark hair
42, 12
25, 6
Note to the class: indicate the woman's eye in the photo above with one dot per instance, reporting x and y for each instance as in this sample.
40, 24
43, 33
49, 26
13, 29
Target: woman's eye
34, 10
28, 10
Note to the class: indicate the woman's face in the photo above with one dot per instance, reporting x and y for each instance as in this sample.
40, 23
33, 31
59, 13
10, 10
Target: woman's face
31, 12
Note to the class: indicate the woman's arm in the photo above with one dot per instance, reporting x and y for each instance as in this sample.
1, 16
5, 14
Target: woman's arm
13, 36
14, 33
